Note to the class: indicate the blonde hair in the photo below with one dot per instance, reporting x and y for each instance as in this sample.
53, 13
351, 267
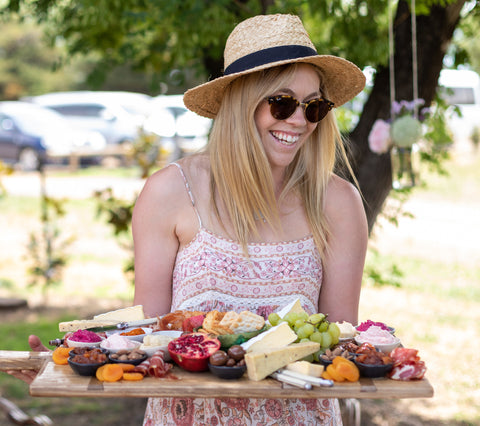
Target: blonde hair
240, 172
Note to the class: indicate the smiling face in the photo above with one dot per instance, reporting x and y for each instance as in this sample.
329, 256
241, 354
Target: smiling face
282, 139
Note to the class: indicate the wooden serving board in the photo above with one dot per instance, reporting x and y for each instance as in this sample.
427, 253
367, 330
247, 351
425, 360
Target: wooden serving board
60, 380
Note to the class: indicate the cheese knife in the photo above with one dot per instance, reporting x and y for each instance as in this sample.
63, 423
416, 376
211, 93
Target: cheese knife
123, 325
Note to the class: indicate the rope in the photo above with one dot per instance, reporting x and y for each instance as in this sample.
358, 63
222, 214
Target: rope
414, 59
392, 58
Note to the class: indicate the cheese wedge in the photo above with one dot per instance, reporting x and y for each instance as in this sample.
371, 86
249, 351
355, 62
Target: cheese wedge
305, 367
83, 324
262, 364
295, 306
132, 313
278, 336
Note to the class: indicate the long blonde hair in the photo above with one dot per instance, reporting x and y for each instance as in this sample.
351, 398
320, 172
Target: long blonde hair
240, 172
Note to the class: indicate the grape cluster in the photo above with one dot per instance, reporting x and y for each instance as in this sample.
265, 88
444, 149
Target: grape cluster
314, 328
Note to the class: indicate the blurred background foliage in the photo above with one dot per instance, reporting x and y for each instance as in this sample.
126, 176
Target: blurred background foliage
167, 46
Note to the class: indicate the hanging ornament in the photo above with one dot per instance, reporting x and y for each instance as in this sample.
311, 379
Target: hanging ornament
405, 129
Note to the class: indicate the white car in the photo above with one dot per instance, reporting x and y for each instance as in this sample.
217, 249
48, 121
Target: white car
31, 134
184, 130
462, 88
118, 116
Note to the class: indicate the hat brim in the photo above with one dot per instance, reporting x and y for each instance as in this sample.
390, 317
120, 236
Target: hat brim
343, 80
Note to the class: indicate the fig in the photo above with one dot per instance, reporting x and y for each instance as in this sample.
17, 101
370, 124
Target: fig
218, 358
236, 352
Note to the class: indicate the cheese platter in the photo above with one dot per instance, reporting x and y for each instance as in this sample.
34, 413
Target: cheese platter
60, 380
215, 354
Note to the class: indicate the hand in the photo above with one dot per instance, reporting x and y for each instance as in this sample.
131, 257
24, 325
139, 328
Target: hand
28, 375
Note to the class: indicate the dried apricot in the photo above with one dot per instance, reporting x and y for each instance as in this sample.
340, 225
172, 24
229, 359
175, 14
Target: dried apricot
132, 376
112, 372
60, 355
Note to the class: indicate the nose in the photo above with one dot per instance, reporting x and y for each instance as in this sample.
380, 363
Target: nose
298, 116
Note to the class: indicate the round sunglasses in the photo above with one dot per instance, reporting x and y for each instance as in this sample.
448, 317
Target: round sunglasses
283, 106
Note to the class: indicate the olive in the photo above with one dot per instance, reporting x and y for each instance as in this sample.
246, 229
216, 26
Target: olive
218, 358
236, 352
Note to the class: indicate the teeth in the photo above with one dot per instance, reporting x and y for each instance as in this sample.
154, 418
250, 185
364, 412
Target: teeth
285, 138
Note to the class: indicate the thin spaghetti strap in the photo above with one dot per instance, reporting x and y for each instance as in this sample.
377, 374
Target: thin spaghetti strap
189, 191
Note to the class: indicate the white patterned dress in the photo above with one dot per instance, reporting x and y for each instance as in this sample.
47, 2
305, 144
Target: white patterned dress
212, 272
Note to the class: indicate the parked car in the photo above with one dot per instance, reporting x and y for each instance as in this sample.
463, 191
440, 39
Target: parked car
177, 126
31, 134
118, 116
462, 89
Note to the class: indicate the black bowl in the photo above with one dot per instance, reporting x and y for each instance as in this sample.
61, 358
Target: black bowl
225, 372
324, 362
371, 370
127, 361
85, 369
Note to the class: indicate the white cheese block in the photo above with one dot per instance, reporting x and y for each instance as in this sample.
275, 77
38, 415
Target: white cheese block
347, 330
305, 367
275, 337
132, 313
262, 364
295, 306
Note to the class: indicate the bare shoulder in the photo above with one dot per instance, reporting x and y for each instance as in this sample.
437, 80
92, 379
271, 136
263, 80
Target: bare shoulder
342, 197
168, 183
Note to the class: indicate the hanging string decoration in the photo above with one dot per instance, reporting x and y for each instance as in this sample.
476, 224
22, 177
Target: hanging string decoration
403, 131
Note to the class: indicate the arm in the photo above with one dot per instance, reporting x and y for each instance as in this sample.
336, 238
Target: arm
343, 268
154, 227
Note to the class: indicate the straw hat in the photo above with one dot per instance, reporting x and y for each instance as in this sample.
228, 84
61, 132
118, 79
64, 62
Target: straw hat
266, 41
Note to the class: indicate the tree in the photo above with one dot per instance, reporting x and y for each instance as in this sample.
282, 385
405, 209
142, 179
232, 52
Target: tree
170, 40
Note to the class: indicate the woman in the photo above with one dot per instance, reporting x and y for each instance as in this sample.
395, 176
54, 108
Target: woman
259, 219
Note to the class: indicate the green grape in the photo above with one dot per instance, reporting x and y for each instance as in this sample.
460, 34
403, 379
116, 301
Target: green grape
304, 340
299, 323
291, 317
326, 340
308, 358
316, 337
323, 326
305, 331
317, 355
334, 330
316, 318
303, 316
274, 318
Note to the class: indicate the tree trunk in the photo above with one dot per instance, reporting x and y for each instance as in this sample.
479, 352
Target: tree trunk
434, 33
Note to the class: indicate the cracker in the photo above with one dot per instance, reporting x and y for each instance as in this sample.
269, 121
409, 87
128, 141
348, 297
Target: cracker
247, 321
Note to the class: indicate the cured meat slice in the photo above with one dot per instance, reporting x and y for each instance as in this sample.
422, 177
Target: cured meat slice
155, 366
407, 365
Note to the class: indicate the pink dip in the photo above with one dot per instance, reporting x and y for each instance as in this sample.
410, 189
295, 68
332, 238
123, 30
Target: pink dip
376, 336
115, 341
364, 326
85, 336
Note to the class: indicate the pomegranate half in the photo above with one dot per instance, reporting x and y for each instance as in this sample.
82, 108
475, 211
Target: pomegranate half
191, 351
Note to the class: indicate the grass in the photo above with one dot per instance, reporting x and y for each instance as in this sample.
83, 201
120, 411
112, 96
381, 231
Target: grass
436, 309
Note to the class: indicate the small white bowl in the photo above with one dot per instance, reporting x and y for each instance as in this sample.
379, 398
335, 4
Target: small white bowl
150, 350
75, 344
137, 337
115, 350
171, 333
382, 347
